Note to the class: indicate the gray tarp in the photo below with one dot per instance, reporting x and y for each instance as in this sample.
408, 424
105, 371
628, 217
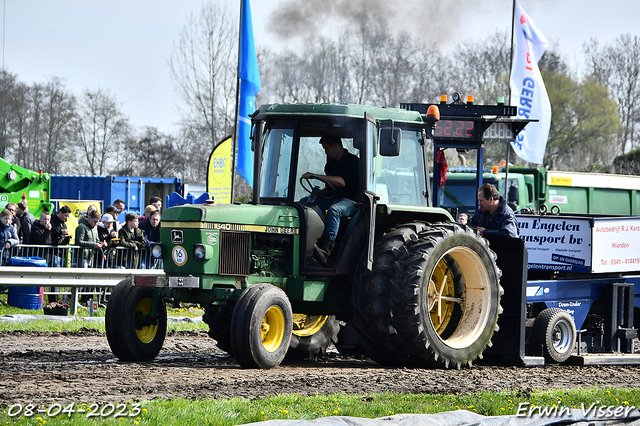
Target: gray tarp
463, 417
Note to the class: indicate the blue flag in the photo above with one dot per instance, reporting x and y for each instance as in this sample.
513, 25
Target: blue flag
249, 87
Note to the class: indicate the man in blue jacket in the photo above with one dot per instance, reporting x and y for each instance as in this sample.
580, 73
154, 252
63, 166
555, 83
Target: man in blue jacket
494, 218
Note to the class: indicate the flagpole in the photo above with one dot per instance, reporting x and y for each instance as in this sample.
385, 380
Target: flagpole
506, 172
234, 142
513, 27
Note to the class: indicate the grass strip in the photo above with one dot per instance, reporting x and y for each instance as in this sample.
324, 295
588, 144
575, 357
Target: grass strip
236, 411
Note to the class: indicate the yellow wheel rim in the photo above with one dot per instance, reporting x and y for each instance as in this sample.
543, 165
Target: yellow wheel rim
272, 330
460, 329
441, 287
308, 325
147, 333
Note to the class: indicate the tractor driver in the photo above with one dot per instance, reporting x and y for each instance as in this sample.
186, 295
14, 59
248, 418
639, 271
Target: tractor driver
341, 172
494, 218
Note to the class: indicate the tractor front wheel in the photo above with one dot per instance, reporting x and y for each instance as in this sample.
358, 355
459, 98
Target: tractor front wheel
261, 327
131, 334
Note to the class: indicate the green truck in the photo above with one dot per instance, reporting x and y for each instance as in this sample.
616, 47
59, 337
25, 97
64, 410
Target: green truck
537, 189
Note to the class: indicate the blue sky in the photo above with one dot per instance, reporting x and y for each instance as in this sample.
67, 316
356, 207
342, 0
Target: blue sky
124, 45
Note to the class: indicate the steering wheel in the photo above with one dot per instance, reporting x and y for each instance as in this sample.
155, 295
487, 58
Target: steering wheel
328, 192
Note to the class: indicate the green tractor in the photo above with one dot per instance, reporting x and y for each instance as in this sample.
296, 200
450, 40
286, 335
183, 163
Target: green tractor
419, 289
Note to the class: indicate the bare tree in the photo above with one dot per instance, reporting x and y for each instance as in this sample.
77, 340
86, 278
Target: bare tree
204, 72
157, 154
393, 73
483, 67
58, 109
7, 87
101, 130
618, 66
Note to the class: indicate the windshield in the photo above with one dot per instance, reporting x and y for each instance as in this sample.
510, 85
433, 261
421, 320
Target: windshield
401, 180
276, 163
278, 155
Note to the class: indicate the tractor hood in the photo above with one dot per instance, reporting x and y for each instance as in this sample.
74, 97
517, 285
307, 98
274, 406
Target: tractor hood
237, 217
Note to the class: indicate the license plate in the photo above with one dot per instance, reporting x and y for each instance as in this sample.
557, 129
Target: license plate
184, 282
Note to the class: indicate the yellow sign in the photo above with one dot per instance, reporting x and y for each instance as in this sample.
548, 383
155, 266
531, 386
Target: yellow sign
560, 180
219, 173
78, 209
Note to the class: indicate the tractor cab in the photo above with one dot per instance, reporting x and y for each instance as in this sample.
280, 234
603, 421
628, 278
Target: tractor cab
389, 145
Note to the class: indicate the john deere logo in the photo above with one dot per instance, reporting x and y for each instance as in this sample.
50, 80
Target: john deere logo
212, 239
176, 237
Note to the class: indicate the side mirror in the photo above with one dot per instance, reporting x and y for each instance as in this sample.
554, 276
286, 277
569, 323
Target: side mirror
390, 139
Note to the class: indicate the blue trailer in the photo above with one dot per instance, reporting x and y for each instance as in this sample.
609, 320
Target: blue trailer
133, 190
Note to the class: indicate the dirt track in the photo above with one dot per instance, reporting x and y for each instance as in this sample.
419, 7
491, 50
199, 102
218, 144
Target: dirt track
78, 367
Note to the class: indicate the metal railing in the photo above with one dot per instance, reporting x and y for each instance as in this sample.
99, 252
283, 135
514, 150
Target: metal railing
84, 271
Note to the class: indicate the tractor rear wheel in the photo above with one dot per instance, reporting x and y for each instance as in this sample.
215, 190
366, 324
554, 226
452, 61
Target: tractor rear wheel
261, 327
312, 335
555, 330
446, 296
130, 335
371, 294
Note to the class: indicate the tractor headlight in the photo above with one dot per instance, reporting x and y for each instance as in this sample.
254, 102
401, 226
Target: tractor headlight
199, 252
156, 251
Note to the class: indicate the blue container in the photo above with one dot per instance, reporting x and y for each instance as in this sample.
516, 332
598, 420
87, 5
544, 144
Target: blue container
26, 297
134, 191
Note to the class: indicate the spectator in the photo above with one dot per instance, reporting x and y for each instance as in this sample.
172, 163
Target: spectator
109, 236
114, 212
463, 218
132, 237
494, 217
15, 220
119, 204
147, 211
105, 229
150, 226
156, 202
26, 222
8, 237
91, 208
41, 230
87, 238
59, 232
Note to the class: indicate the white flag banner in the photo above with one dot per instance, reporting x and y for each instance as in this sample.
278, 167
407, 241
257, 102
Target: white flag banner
527, 88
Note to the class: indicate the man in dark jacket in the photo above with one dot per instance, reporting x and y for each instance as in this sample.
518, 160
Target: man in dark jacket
132, 237
26, 222
41, 230
59, 232
87, 238
494, 218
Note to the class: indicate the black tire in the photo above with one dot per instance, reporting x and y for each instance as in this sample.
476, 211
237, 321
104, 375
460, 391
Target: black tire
371, 297
312, 335
130, 341
114, 337
219, 326
555, 330
261, 327
446, 296
349, 341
